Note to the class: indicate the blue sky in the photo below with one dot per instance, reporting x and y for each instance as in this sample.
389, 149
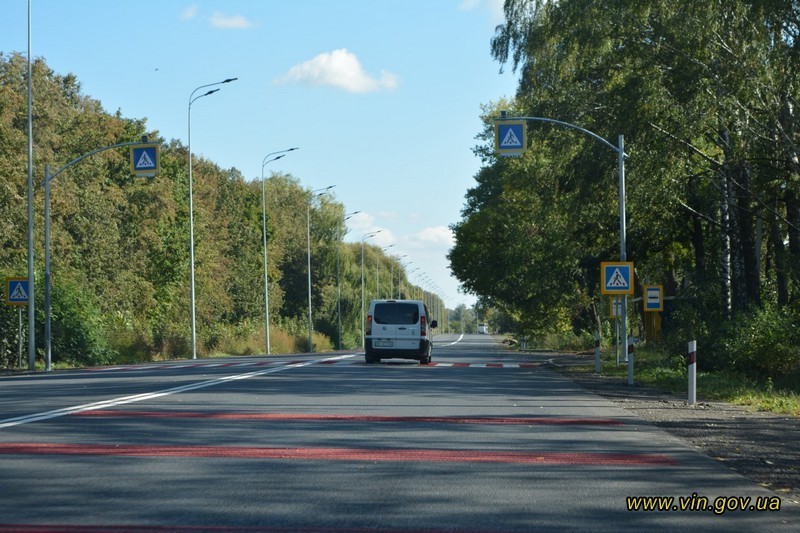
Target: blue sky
382, 96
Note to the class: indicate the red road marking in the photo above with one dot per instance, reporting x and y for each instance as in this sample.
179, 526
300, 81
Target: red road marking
532, 421
340, 454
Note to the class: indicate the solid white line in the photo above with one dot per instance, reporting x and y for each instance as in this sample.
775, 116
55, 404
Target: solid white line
27, 419
452, 343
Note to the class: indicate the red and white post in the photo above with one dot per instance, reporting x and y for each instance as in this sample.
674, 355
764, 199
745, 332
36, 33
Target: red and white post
692, 373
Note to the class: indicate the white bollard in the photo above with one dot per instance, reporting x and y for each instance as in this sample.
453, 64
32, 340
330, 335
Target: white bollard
692, 373
596, 353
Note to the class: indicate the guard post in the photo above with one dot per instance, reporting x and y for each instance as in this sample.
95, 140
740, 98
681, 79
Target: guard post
692, 364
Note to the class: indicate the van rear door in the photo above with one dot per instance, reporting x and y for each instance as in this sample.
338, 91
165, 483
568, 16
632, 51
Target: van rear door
395, 325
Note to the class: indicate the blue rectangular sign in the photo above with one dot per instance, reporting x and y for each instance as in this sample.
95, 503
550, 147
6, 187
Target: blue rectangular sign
510, 137
17, 291
654, 298
617, 278
144, 159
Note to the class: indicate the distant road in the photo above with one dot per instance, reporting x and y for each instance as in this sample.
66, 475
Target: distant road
483, 439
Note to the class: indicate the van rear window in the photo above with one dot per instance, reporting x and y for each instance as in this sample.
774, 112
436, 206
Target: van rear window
396, 313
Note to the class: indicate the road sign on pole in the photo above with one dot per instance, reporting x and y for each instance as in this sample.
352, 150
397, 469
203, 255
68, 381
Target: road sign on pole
510, 137
616, 277
616, 307
145, 160
17, 291
653, 298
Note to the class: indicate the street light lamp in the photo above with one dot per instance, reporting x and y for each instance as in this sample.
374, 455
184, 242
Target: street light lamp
364, 238
192, 98
338, 285
264, 232
314, 194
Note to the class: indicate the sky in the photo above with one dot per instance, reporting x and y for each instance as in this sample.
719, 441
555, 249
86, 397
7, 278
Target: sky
382, 97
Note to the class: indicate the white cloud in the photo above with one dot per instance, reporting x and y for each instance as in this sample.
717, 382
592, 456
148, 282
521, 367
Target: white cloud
341, 69
232, 22
189, 13
434, 237
495, 8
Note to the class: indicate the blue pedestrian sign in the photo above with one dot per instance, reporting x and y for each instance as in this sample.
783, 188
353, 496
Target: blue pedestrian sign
510, 137
145, 160
17, 291
616, 277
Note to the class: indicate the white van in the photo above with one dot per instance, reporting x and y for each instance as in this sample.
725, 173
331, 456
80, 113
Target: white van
398, 329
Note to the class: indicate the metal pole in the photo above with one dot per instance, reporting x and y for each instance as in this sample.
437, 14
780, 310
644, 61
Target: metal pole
264, 232
191, 206
31, 299
48, 177
362, 292
47, 328
314, 194
266, 271
364, 238
339, 287
191, 237
623, 246
19, 337
308, 242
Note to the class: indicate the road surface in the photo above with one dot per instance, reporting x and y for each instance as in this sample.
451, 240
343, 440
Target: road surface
483, 439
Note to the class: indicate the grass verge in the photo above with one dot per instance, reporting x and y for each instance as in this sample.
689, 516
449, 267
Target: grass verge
656, 369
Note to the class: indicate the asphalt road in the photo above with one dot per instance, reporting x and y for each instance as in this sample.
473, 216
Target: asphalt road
481, 440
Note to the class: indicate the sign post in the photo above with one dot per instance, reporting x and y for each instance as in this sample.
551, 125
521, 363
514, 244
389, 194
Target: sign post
17, 294
620, 150
616, 279
616, 313
146, 164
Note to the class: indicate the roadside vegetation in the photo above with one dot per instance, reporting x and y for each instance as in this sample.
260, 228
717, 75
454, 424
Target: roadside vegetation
120, 245
707, 97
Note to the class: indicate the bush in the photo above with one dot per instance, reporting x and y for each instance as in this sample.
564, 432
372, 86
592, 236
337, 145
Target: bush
78, 328
766, 343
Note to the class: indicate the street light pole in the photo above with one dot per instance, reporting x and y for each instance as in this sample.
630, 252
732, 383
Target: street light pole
264, 232
48, 177
192, 98
391, 274
364, 238
338, 284
377, 270
314, 194
620, 149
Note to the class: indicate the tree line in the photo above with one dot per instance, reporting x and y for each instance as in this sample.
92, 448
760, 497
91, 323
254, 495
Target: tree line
706, 96
120, 245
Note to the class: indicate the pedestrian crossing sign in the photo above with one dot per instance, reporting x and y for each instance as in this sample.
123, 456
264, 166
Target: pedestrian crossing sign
145, 160
17, 291
616, 277
510, 137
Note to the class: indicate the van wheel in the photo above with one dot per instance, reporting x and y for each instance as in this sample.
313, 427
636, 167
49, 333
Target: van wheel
426, 359
372, 360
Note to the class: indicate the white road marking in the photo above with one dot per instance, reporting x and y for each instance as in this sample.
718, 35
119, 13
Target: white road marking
435, 344
27, 419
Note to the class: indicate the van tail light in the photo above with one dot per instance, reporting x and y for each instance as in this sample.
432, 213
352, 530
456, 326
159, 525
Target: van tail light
369, 325
423, 326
